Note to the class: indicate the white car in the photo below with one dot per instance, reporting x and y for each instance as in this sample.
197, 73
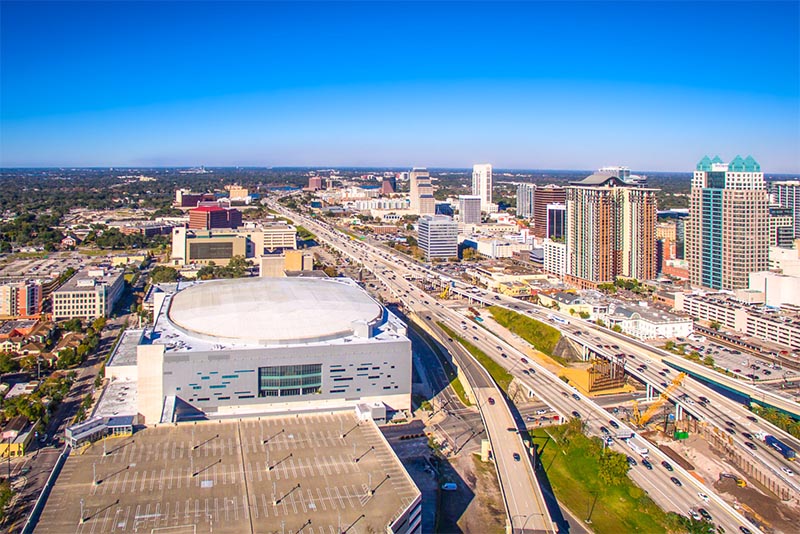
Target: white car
703, 496
787, 471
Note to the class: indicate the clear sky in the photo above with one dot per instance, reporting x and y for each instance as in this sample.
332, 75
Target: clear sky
562, 85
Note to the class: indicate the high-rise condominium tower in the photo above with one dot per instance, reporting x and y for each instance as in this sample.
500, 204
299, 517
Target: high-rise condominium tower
610, 231
787, 195
525, 194
482, 184
728, 233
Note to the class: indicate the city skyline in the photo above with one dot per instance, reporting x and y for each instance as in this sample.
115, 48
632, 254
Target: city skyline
551, 86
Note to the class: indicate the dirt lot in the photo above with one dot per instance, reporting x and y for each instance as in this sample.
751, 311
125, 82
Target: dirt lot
478, 507
771, 514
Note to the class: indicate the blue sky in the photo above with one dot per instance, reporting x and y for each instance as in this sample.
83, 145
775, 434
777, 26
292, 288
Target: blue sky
568, 85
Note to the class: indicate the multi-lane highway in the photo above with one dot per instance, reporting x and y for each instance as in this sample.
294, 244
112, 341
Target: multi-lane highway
651, 367
525, 505
682, 494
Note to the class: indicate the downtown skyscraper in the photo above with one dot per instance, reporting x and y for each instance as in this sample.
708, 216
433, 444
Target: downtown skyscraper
610, 231
482, 185
728, 233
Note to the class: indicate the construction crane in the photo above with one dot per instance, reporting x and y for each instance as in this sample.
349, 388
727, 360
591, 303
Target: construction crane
445, 293
641, 419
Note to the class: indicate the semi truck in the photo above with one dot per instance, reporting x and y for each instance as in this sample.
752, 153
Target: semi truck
786, 451
637, 445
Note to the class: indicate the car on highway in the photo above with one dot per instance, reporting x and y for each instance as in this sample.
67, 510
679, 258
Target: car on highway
540, 412
516, 457
747, 435
745, 530
613, 423
523, 360
676, 481
702, 496
631, 461
706, 516
730, 431
647, 464
694, 515
491, 401
576, 396
576, 414
787, 471
604, 430
666, 465
751, 418
750, 445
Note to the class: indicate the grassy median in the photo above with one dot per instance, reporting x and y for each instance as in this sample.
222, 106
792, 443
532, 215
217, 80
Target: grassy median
543, 337
573, 465
500, 375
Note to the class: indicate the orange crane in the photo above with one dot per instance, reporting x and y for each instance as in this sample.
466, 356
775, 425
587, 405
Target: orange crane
641, 419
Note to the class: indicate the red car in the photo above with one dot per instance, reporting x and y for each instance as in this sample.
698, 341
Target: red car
523, 360
491, 401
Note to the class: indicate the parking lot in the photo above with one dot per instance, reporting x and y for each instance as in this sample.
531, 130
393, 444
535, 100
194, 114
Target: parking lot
270, 474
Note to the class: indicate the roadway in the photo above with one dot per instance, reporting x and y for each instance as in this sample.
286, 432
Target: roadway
657, 482
720, 411
525, 505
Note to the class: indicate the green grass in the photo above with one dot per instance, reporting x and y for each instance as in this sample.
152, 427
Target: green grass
543, 337
455, 383
304, 234
574, 476
498, 372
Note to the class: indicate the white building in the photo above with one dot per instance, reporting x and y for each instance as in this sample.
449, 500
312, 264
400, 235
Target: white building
90, 294
469, 209
437, 236
785, 260
645, 323
779, 289
525, 193
555, 257
482, 185
259, 345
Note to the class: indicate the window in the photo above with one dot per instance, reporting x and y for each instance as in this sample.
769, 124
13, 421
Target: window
289, 380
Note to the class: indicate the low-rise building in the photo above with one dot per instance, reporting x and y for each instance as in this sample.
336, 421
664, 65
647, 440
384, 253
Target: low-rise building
204, 246
16, 437
90, 294
773, 325
647, 323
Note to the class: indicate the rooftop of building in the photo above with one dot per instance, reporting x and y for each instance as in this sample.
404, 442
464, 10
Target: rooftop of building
258, 312
88, 278
272, 472
7, 328
647, 313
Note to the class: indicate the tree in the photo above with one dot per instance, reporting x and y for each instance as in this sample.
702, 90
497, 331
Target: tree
5, 497
613, 468
715, 325
669, 345
72, 325
584, 315
162, 274
98, 324
7, 363
708, 361
617, 328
